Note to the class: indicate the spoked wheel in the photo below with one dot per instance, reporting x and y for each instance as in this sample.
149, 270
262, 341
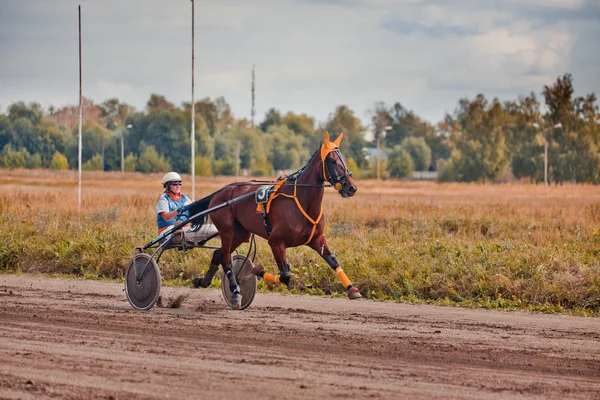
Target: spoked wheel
242, 269
142, 282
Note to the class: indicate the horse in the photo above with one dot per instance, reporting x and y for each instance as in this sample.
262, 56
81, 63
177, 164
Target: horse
292, 217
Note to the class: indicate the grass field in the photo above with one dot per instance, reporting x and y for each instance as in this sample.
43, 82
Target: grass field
497, 246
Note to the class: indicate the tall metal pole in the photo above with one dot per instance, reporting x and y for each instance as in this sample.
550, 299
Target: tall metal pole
80, 120
237, 159
545, 161
193, 136
378, 158
252, 112
123, 150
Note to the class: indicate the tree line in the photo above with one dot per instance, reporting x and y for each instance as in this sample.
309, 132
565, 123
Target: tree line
482, 140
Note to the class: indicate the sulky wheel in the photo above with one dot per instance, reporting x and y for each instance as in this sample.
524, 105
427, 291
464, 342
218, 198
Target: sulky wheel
242, 269
142, 282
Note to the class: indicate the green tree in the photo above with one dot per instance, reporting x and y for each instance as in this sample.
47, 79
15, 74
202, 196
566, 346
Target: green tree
573, 147
381, 119
131, 162
95, 140
32, 112
224, 166
115, 113
303, 125
58, 162
168, 133
32, 160
524, 144
151, 161
93, 164
419, 152
158, 103
203, 166
343, 120
262, 167
405, 123
10, 158
6, 136
272, 117
23, 133
400, 163
286, 149
49, 139
482, 153
353, 167
207, 110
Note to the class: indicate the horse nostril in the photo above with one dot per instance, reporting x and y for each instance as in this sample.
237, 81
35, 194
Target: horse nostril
352, 189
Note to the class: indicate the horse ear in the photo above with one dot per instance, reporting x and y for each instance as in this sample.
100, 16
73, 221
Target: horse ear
326, 140
338, 140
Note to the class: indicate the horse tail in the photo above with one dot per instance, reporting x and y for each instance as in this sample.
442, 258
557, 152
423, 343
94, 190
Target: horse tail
199, 206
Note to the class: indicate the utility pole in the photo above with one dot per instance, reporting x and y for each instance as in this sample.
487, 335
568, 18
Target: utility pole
80, 121
545, 133
382, 134
252, 111
378, 158
192, 134
545, 161
237, 159
129, 126
122, 150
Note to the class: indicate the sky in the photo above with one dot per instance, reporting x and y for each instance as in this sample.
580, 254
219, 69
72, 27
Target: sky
310, 56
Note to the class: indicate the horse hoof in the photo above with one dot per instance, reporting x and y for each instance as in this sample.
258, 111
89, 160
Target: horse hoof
354, 293
236, 301
196, 282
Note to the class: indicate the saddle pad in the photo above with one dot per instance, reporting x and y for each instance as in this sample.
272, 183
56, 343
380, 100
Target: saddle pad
262, 194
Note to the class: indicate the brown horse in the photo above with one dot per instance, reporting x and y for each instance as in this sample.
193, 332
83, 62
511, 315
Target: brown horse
294, 217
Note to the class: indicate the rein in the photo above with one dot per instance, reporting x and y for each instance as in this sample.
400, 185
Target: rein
255, 182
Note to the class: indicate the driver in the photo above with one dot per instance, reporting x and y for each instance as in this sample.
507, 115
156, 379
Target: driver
168, 214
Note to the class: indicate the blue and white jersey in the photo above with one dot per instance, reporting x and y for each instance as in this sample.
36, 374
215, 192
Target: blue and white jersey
166, 204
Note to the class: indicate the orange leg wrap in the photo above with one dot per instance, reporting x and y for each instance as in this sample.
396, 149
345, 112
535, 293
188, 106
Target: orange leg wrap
342, 277
270, 278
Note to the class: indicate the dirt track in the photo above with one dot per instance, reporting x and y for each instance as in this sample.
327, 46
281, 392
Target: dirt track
81, 339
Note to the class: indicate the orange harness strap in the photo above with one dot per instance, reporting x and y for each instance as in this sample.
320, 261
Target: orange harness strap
312, 221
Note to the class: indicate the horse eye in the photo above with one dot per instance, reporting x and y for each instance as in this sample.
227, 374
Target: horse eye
333, 161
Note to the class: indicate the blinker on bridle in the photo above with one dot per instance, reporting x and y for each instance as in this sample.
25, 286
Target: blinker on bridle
337, 181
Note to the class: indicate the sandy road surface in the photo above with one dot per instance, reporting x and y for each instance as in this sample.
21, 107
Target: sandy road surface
81, 339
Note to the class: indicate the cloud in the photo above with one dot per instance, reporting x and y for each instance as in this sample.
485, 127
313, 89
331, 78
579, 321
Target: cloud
310, 56
439, 31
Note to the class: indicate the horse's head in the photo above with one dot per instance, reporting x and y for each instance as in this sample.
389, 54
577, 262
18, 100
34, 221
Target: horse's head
335, 170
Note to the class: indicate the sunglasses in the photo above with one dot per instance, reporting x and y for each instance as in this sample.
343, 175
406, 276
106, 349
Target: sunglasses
175, 183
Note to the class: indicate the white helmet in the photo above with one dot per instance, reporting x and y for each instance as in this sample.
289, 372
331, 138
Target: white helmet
170, 177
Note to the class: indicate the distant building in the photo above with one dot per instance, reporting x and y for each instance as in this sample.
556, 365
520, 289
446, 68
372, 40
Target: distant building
371, 155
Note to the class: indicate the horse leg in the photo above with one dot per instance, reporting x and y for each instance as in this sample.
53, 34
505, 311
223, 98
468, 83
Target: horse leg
285, 274
212, 270
319, 244
240, 235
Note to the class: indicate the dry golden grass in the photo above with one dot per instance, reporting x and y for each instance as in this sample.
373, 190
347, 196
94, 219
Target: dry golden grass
488, 245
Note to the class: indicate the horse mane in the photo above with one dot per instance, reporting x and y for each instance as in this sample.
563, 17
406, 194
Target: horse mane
296, 175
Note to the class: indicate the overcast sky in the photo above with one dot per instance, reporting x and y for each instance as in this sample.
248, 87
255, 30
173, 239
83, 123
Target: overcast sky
310, 56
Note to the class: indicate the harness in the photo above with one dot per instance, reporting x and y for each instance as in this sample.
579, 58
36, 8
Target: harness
273, 193
266, 194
